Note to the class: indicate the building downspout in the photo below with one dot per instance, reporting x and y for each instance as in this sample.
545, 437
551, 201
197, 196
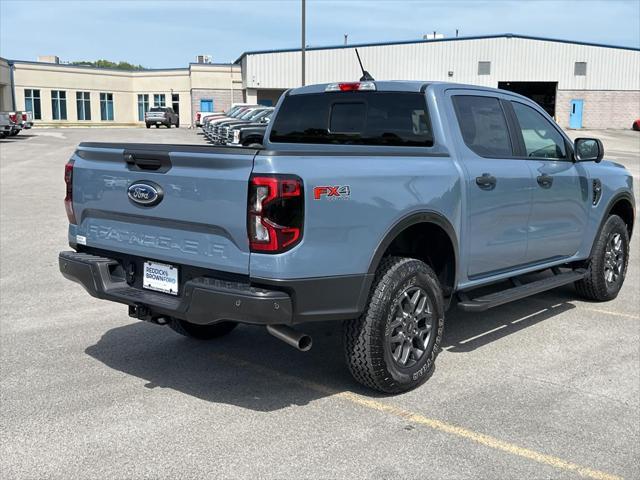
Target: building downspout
13, 86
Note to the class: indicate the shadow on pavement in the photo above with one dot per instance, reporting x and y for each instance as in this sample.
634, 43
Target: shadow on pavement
251, 369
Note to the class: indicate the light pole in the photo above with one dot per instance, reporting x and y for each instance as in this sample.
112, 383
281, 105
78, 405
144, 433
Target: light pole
304, 5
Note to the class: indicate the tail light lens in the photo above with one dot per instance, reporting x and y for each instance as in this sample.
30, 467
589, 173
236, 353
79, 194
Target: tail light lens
68, 199
24, 117
275, 216
198, 116
13, 118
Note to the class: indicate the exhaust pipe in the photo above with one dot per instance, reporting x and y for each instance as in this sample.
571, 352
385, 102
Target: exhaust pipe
296, 339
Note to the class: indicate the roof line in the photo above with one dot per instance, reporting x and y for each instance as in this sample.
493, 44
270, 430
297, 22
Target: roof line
90, 67
451, 39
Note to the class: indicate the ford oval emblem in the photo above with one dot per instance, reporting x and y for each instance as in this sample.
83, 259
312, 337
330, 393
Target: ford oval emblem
145, 194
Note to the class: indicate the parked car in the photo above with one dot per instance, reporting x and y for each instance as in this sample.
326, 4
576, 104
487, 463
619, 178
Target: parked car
379, 204
16, 123
161, 116
201, 116
221, 129
250, 135
212, 122
27, 120
6, 125
636, 125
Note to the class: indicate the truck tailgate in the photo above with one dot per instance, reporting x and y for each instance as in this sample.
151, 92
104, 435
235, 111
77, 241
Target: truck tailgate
200, 218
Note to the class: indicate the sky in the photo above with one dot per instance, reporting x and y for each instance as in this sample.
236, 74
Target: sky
170, 33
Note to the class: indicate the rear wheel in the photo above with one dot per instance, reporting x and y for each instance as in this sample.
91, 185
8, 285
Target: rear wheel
392, 347
608, 263
157, 126
201, 332
148, 126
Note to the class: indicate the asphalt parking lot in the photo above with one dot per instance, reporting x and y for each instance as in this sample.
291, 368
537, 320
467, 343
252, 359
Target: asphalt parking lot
548, 387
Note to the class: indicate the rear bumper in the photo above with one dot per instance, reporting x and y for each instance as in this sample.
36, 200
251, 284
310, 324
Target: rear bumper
155, 120
205, 299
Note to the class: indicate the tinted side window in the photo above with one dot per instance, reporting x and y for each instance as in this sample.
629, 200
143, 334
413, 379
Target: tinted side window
483, 125
354, 118
541, 139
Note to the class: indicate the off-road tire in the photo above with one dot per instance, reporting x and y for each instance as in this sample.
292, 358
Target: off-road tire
202, 332
157, 126
148, 125
177, 123
366, 344
594, 285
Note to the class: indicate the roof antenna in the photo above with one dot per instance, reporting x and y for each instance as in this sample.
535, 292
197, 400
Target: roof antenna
366, 76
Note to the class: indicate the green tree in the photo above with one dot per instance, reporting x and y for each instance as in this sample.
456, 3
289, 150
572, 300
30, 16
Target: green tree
102, 63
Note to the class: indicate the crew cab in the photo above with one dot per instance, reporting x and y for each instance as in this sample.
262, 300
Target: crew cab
378, 204
161, 116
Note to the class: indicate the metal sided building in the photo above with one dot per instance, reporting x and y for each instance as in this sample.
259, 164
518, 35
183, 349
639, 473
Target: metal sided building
582, 85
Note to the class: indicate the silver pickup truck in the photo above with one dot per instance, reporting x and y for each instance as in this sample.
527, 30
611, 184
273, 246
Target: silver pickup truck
6, 125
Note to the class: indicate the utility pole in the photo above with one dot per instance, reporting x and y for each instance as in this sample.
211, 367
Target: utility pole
304, 7
346, 38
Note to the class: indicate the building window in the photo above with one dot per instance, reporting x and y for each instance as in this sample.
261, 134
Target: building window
59, 104
484, 68
580, 69
106, 106
158, 100
175, 102
32, 103
143, 106
83, 104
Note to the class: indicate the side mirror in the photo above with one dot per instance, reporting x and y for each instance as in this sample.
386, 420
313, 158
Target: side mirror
588, 150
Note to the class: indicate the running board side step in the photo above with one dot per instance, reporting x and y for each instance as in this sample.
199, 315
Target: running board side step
480, 304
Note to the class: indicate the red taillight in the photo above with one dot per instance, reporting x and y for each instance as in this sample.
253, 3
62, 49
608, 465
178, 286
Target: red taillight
68, 199
24, 117
198, 116
13, 117
275, 213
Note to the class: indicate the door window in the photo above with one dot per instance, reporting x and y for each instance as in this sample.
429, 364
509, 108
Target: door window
541, 139
483, 125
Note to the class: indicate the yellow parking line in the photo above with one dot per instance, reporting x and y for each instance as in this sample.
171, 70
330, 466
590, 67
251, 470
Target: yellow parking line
611, 312
479, 438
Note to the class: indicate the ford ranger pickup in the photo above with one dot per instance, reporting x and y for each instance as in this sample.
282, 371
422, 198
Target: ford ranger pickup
378, 204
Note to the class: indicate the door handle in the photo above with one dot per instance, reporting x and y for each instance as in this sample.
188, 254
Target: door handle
545, 181
486, 181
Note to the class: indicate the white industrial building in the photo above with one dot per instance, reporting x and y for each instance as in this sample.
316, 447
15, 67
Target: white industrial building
583, 85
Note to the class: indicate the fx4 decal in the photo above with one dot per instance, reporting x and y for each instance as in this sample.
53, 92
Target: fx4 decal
332, 192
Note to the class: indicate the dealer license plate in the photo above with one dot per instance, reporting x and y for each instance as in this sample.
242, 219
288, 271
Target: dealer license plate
160, 277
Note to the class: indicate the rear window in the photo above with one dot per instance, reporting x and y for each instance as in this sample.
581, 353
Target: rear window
354, 118
483, 125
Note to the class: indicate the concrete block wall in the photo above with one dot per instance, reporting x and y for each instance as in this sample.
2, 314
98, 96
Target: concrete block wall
221, 99
602, 108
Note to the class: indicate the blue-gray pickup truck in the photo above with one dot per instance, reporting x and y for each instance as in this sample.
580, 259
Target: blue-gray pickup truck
379, 204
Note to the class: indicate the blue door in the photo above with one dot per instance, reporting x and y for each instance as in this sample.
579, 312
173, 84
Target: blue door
206, 105
575, 114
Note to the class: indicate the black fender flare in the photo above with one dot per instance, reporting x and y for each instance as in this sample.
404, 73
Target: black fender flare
425, 216
615, 199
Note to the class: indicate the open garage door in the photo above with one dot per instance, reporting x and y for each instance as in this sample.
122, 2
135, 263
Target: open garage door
543, 93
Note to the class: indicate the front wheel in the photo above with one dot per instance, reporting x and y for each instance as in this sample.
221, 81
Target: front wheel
393, 345
608, 263
148, 126
201, 332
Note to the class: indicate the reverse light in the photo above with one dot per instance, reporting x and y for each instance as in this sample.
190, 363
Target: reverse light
350, 87
68, 199
275, 215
